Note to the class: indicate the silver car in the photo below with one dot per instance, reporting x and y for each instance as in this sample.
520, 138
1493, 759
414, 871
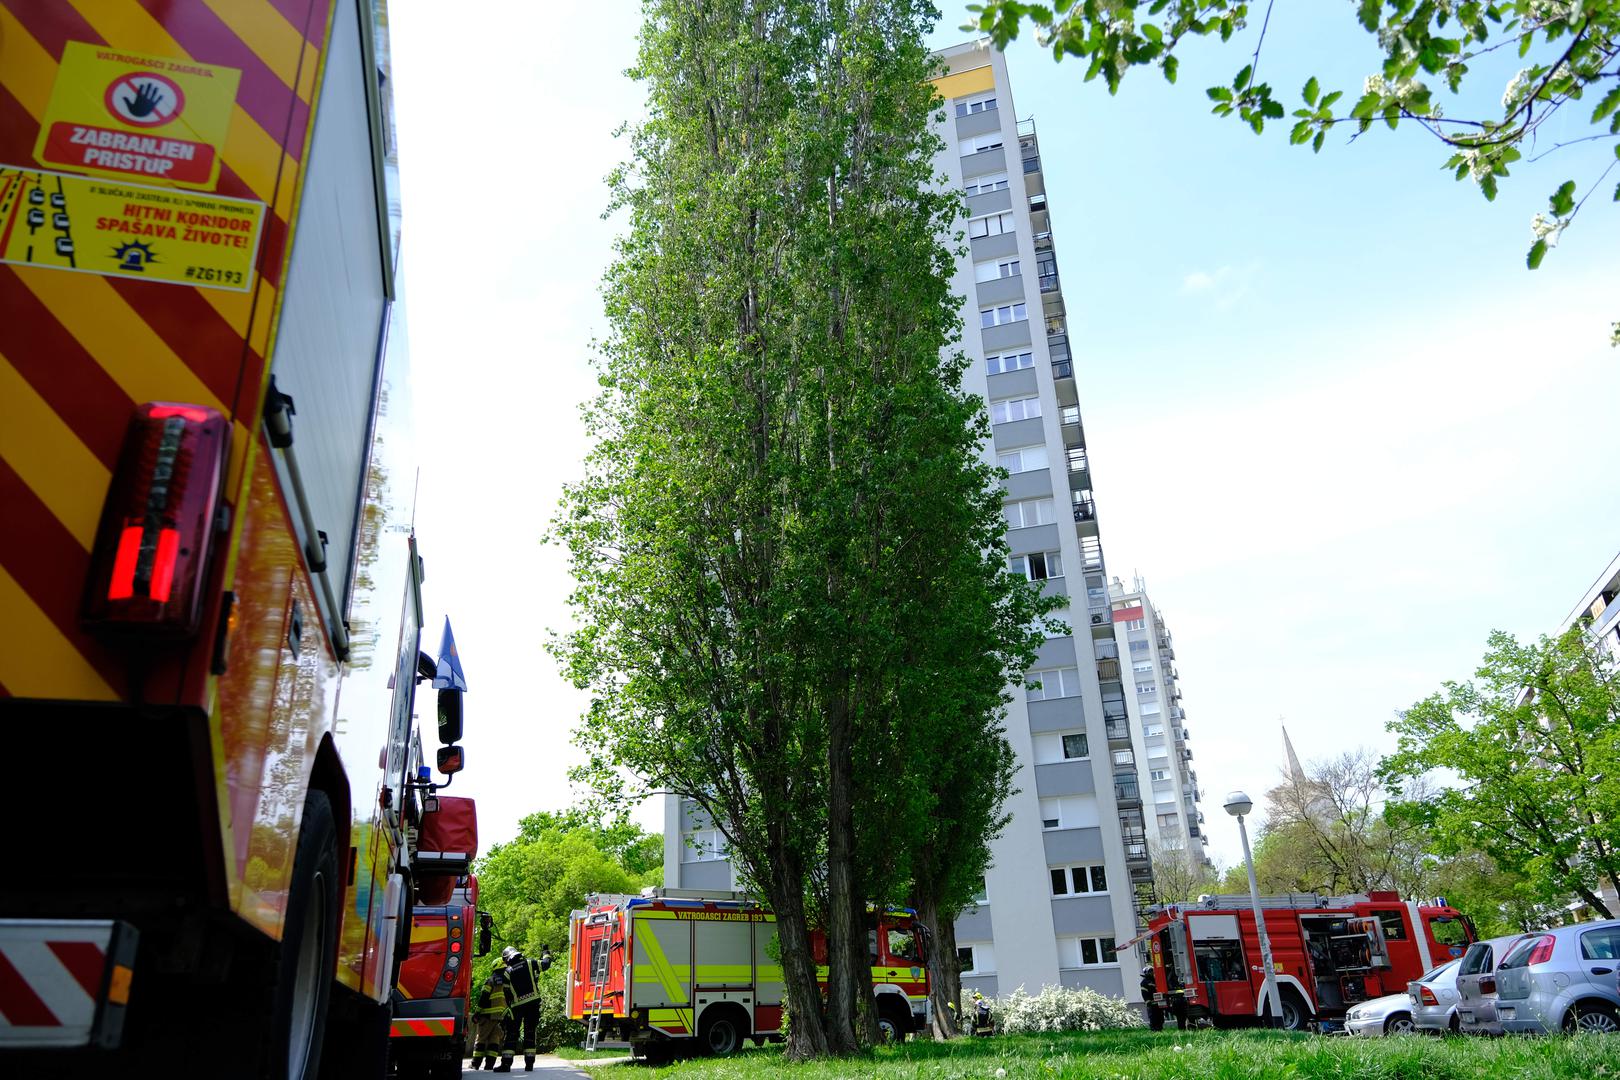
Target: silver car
1434, 999
1561, 980
1387, 1015
1476, 985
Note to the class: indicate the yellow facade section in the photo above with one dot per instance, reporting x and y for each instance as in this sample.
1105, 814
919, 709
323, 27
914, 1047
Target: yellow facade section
962, 83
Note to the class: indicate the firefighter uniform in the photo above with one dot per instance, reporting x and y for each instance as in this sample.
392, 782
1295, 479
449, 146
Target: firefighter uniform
523, 1035
492, 1006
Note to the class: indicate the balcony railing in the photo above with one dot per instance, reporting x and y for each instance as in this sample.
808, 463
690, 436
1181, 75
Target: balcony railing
1118, 730
1106, 650
1136, 853
1108, 668
1127, 791
1043, 240
1085, 510
1049, 283
1062, 369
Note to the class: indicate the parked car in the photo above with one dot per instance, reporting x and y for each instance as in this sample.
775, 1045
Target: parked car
1476, 985
1561, 980
1387, 1015
1434, 999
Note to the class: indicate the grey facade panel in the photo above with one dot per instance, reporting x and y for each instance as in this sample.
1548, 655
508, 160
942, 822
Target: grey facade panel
974, 924
1034, 484
1056, 652
1065, 778
1033, 538
994, 247
1020, 383
989, 203
985, 161
979, 123
1004, 290
1005, 336
1055, 587
706, 875
1103, 980
1073, 846
1031, 432
1083, 915
1058, 714
984, 984
692, 817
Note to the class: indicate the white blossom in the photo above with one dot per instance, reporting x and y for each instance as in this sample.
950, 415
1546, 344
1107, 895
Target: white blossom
1548, 229
1374, 84
1516, 88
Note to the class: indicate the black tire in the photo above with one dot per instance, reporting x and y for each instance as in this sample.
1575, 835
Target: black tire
1591, 1018
721, 1033
1295, 1017
1399, 1024
893, 1025
307, 957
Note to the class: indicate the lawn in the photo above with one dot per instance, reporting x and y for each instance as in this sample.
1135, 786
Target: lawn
1198, 1055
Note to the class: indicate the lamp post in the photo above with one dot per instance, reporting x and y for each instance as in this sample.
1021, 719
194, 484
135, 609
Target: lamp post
1238, 805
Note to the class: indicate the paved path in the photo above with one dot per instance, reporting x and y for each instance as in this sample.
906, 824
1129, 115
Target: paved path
548, 1066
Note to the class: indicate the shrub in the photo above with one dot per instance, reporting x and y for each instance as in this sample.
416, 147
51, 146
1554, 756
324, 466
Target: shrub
1058, 1008
556, 1029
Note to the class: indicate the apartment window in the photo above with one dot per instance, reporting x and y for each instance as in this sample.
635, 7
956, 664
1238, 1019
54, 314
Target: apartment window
1077, 880
1037, 566
1076, 952
981, 955
703, 845
1139, 646
1010, 409
1075, 747
980, 143
1001, 268
1024, 459
1137, 624
1069, 414
1146, 688
1145, 666
1027, 512
1153, 731
1002, 314
1159, 775
964, 959
980, 185
982, 103
1009, 362
1052, 747
991, 225
1169, 821
1052, 683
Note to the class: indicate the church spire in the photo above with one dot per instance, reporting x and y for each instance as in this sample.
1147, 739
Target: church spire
1295, 773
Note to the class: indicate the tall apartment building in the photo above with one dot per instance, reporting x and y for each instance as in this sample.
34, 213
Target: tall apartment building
1599, 609
1061, 891
1158, 727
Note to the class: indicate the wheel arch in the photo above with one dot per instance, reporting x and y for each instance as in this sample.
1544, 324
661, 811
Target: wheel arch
327, 776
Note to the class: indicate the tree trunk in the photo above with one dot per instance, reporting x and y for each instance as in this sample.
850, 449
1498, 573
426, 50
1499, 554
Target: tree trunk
807, 1033
846, 943
944, 973
860, 971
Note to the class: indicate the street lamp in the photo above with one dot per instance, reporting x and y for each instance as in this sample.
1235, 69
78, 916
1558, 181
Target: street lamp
1238, 805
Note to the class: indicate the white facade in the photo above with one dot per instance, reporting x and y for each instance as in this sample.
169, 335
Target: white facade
1060, 893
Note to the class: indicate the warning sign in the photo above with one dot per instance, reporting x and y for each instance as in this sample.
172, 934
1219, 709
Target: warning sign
123, 114
127, 230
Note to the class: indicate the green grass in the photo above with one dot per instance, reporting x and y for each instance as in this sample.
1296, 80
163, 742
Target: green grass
1196, 1055
579, 1053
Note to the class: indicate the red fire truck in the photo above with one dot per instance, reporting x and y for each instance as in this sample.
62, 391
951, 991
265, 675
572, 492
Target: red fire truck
210, 593
1328, 952
672, 966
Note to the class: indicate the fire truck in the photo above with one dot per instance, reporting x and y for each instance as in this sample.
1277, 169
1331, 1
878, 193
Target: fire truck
428, 1035
1328, 953
210, 584
673, 968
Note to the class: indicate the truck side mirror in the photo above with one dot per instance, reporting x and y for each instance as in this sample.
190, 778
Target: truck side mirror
451, 760
486, 923
449, 716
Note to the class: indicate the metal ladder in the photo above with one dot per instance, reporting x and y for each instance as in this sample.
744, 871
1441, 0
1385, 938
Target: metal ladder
600, 968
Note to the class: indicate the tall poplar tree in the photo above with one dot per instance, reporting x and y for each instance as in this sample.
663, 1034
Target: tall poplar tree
781, 442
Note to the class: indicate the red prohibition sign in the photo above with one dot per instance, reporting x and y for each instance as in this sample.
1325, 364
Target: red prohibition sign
142, 99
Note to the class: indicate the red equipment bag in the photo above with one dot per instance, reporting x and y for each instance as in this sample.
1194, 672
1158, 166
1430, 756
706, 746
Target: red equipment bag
448, 838
435, 890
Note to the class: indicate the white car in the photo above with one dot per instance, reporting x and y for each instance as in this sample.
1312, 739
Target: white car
1388, 1015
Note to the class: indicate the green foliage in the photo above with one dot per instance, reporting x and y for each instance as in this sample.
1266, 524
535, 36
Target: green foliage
1573, 47
1534, 745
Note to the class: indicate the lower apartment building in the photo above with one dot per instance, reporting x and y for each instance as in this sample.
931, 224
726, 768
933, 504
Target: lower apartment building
1070, 878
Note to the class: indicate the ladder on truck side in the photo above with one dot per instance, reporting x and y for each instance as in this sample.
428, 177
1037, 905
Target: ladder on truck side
601, 971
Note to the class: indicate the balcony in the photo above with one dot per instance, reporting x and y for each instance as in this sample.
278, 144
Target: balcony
1136, 854
1106, 650
1178, 713
1127, 792
1049, 282
1132, 834
1108, 668
1085, 510
1192, 831
1119, 731
1043, 240
1062, 369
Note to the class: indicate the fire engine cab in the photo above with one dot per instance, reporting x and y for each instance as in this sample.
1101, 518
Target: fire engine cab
1329, 952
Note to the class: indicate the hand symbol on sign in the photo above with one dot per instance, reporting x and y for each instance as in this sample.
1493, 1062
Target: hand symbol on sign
147, 98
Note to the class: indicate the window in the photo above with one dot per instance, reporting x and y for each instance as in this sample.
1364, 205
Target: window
1002, 314
1153, 731
980, 143
1075, 747
1601, 944
1146, 688
981, 954
1024, 459
1394, 924
1159, 775
1220, 961
979, 185
1010, 409
981, 103
991, 225
1009, 362
964, 958
1076, 952
983, 895
1169, 821
703, 845
1139, 646
1143, 667
1448, 931
1027, 512
1001, 268
1038, 566
1069, 414
903, 946
1052, 747
1138, 624
1070, 812
1052, 683
1077, 880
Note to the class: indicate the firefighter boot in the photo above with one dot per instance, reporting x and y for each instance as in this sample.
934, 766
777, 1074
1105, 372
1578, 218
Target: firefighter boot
528, 1063
505, 1065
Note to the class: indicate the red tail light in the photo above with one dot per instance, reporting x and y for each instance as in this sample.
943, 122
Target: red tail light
1542, 951
1427, 996
1487, 986
157, 526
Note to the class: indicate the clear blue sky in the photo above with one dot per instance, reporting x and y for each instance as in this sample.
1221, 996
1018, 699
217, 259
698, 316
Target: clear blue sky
1334, 422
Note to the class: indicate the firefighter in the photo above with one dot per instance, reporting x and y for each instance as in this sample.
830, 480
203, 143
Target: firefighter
491, 1008
524, 975
1155, 1013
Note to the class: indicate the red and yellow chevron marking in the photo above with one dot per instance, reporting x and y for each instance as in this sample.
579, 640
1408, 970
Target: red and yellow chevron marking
404, 1029
79, 350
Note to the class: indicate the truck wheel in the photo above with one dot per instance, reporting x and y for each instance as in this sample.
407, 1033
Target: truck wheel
1294, 1016
721, 1035
307, 957
892, 1027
